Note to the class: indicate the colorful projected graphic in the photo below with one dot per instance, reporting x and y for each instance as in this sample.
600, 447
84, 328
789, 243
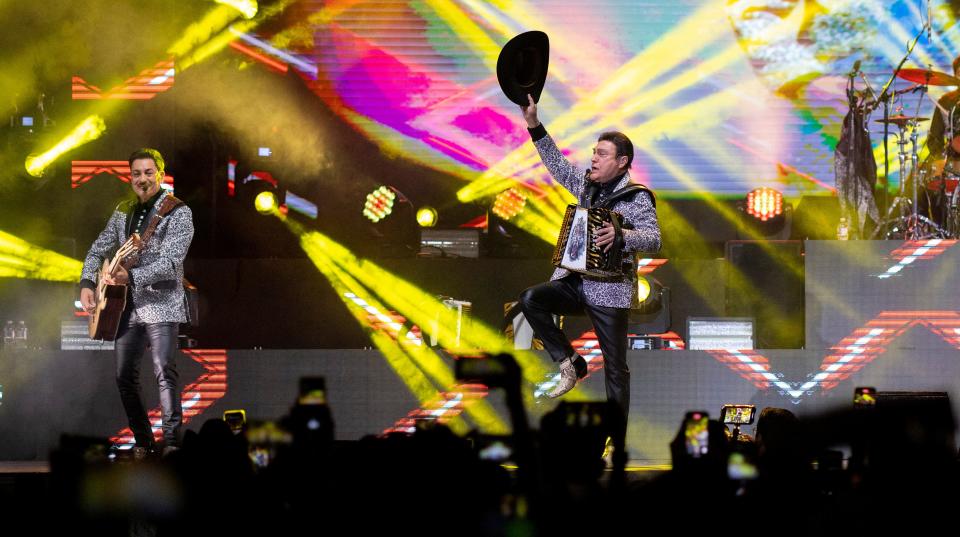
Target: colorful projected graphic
141, 87
719, 97
442, 408
82, 171
912, 251
848, 356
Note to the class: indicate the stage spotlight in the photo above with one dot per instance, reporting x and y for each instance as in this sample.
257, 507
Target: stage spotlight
651, 314
509, 203
764, 203
90, 129
765, 215
649, 294
265, 202
379, 203
427, 217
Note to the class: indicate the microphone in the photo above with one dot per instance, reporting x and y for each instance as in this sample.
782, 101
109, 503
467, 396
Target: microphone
855, 70
929, 21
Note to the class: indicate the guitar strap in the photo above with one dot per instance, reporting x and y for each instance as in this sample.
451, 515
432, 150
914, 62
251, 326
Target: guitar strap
627, 192
167, 205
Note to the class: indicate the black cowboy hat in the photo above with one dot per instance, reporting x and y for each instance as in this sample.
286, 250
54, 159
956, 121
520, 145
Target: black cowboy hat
522, 66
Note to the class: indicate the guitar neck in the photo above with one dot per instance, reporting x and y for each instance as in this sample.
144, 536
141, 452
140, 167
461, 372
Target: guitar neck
128, 248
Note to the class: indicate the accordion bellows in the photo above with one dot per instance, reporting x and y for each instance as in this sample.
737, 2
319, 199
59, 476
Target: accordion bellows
576, 250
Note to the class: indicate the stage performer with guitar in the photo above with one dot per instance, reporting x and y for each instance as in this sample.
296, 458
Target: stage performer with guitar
137, 298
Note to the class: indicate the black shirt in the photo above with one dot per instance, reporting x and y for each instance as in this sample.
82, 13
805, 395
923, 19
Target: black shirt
604, 190
138, 219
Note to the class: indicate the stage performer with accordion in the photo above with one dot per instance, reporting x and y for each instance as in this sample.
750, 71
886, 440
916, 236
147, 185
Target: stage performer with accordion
596, 259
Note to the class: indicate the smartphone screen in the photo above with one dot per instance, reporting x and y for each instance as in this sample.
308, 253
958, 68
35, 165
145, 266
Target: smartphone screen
864, 396
236, 419
738, 414
495, 450
313, 391
696, 434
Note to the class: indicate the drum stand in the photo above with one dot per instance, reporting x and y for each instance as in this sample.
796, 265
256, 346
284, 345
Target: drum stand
903, 220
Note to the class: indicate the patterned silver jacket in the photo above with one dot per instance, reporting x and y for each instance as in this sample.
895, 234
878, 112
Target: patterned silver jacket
640, 212
157, 279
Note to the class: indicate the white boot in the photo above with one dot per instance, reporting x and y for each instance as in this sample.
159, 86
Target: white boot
568, 379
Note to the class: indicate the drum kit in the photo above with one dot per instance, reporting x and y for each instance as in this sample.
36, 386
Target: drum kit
927, 204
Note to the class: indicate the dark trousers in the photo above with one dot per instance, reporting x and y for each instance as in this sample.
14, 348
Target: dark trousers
132, 338
565, 297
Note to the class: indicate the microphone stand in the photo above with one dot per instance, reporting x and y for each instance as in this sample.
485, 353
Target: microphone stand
853, 105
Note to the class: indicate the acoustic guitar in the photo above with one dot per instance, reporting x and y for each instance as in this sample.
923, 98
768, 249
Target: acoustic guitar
111, 298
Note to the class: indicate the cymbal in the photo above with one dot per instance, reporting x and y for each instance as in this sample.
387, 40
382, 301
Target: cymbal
901, 120
928, 77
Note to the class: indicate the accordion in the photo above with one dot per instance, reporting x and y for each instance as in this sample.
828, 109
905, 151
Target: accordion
576, 250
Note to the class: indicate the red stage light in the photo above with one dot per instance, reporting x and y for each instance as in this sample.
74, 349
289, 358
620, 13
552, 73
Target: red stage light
764, 203
509, 203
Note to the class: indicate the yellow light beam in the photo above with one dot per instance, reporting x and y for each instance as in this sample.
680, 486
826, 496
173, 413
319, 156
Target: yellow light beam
344, 285
409, 361
20, 259
203, 30
247, 8
212, 35
422, 308
88, 130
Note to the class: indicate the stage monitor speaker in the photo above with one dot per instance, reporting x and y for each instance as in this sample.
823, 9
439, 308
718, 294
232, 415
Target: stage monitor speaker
918, 423
766, 282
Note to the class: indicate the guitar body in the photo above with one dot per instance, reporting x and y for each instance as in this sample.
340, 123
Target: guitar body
111, 299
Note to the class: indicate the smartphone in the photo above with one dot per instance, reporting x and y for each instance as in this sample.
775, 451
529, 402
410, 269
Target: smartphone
696, 433
265, 440
313, 391
236, 419
495, 371
864, 397
738, 414
739, 466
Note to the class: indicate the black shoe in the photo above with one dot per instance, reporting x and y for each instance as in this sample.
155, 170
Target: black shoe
581, 366
140, 453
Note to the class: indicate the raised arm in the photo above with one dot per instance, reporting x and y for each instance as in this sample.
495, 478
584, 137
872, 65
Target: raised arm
568, 175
